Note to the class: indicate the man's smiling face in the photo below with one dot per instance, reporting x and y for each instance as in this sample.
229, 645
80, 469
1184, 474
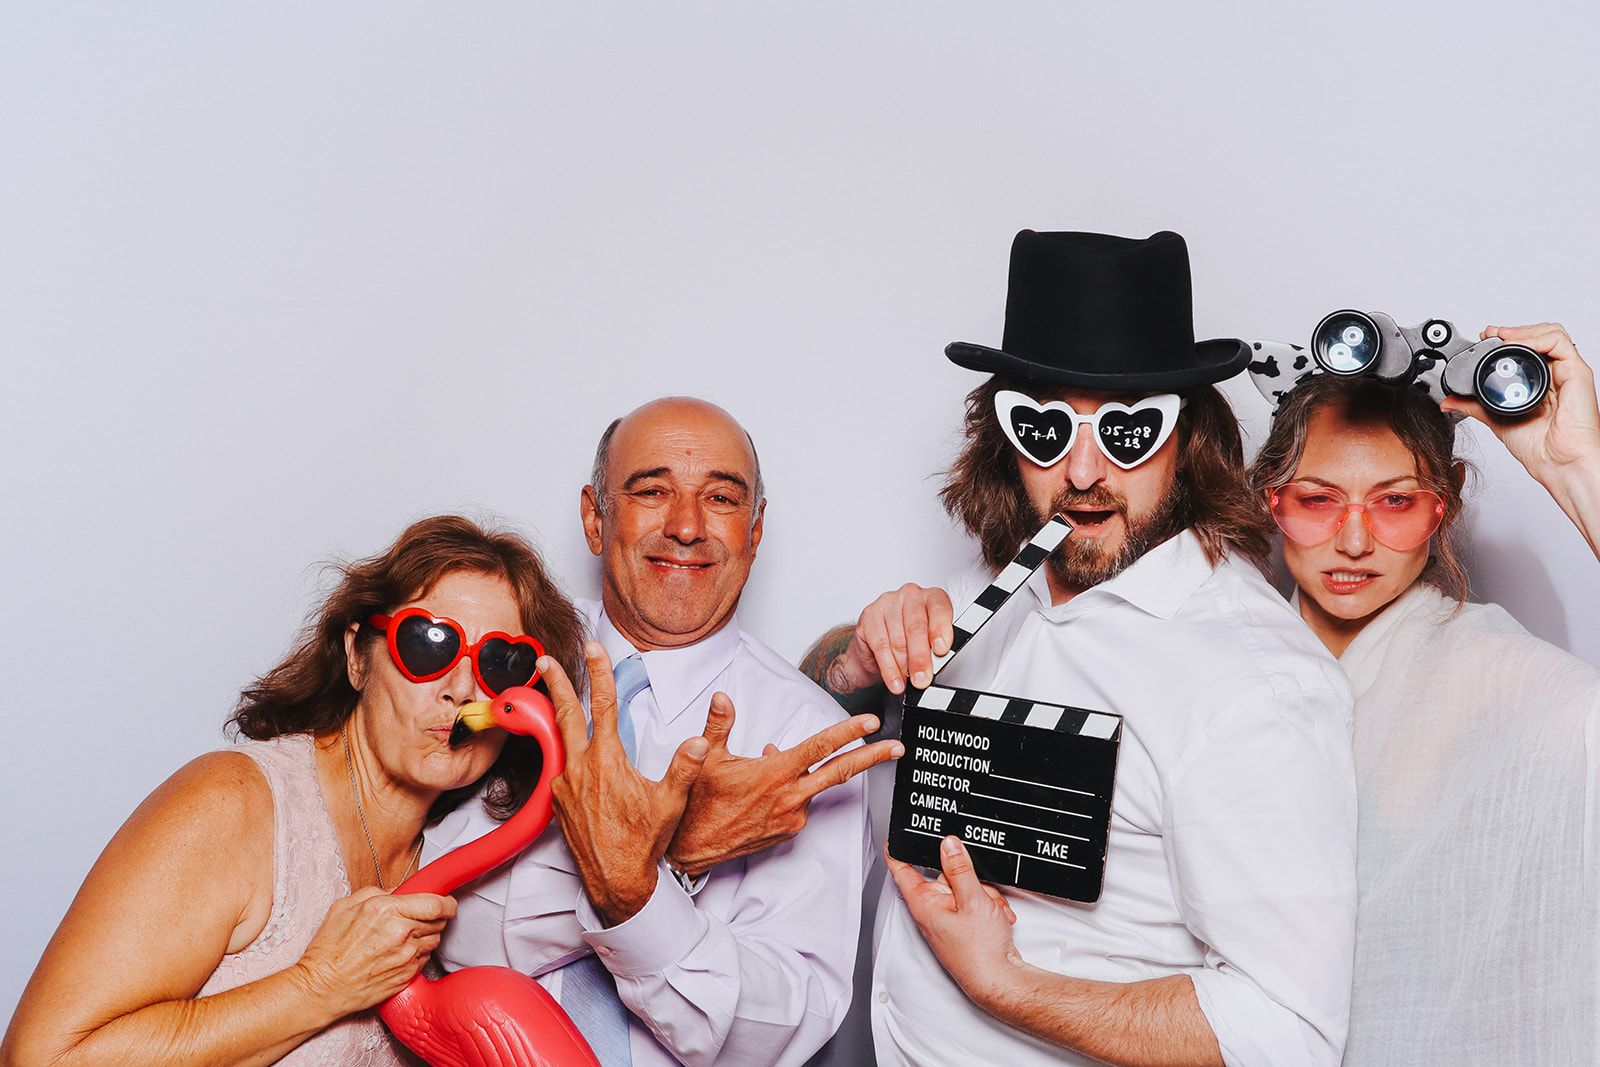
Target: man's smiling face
678, 530
1117, 515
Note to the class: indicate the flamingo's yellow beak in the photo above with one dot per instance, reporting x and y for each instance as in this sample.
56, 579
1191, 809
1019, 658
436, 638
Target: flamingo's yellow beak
472, 718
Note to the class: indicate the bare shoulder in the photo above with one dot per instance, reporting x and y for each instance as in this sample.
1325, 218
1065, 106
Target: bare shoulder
220, 796
228, 776
204, 834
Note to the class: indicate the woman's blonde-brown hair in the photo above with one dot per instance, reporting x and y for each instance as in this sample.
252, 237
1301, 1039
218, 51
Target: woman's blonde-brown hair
310, 691
1425, 431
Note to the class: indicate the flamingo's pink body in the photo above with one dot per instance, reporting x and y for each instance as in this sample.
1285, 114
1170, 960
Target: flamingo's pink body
492, 1016
485, 1015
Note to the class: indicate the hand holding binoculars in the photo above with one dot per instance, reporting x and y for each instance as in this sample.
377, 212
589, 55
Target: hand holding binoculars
1509, 379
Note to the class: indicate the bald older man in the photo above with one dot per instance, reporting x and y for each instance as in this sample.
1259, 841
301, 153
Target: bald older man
700, 903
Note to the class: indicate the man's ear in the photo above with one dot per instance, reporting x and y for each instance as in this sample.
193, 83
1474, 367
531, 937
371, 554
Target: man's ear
355, 665
589, 508
755, 531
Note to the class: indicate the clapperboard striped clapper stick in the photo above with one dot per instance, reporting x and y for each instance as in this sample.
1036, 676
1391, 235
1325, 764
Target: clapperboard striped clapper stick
1026, 784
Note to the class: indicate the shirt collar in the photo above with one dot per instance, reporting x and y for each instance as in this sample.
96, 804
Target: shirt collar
1157, 583
677, 675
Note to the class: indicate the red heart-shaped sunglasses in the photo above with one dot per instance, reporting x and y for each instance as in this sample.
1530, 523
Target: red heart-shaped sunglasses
426, 647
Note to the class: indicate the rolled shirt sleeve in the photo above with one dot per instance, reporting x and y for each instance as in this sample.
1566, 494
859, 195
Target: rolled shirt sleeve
1261, 816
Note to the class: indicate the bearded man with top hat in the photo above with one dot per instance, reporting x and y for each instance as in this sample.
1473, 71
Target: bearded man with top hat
1225, 928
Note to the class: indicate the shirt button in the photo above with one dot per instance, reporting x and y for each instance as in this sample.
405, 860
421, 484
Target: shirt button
883, 996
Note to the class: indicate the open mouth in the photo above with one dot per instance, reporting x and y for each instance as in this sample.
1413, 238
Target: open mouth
666, 563
1347, 581
1089, 520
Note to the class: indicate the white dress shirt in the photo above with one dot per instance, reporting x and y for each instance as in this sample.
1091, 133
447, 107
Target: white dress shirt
756, 966
1231, 855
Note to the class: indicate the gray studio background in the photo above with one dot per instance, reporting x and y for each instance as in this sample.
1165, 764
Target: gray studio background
276, 279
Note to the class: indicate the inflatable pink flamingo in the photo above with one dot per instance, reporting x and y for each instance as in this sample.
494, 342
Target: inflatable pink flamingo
491, 1016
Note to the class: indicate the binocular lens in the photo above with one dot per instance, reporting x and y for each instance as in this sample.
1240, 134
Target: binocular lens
1513, 379
1345, 343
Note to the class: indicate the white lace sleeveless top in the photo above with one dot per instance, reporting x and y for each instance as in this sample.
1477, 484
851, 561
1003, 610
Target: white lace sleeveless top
307, 876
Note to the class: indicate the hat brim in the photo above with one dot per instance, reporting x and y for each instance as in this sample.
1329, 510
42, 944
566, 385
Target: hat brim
1214, 361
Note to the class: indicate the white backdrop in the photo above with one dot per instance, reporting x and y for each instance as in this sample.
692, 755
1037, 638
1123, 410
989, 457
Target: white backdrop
276, 279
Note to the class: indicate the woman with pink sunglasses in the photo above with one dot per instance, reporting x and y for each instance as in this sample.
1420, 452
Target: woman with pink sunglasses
1477, 745
242, 915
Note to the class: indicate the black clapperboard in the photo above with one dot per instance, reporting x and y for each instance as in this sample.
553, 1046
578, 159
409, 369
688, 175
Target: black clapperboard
1026, 785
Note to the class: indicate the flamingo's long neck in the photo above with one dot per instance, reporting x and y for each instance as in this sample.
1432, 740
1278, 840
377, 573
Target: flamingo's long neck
476, 858
473, 860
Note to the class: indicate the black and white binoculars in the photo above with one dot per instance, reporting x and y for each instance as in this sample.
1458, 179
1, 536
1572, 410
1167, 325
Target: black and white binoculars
1508, 378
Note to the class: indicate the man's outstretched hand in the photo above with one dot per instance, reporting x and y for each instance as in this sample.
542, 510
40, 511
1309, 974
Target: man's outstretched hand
739, 806
616, 821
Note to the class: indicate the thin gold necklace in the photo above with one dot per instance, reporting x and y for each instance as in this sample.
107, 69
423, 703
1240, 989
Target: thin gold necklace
344, 734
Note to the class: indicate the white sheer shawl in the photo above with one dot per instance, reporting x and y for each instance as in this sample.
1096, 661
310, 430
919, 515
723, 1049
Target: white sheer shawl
1476, 755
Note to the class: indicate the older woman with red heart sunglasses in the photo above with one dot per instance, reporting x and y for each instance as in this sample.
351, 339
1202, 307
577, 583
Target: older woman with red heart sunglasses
241, 915
1478, 924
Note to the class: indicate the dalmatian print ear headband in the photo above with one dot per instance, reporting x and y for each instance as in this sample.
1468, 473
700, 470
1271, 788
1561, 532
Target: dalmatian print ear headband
1278, 366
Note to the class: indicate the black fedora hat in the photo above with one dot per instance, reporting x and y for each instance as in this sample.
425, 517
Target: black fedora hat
1099, 312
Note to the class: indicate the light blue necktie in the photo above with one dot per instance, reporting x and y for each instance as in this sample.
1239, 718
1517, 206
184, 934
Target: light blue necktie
588, 992
631, 681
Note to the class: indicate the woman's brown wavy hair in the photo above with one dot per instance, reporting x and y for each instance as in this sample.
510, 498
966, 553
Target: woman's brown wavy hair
983, 490
1416, 420
310, 691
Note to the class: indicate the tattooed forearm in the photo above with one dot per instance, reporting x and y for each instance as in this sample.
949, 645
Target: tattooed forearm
823, 655
820, 656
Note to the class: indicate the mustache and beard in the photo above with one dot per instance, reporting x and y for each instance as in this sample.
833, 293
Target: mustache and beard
1080, 564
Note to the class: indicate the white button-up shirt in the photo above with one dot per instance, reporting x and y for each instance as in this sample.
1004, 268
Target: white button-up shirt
756, 966
1233, 830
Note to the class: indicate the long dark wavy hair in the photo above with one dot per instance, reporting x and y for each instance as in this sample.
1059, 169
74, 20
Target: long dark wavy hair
310, 691
1416, 420
983, 490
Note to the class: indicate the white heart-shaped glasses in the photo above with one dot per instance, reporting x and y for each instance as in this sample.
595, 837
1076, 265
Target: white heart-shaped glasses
1128, 434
